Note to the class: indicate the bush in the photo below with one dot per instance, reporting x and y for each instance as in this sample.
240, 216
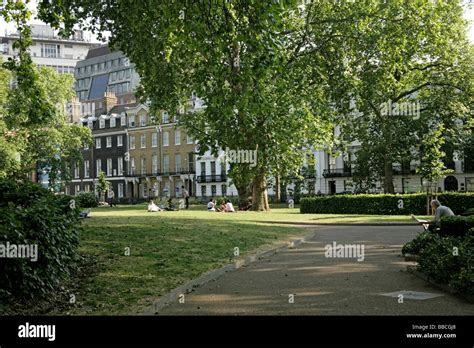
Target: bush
455, 225
385, 204
32, 215
449, 260
415, 246
87, 200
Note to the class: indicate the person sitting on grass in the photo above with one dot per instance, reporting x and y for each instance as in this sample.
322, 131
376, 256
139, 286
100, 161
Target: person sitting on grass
221, 208
211, 205
152, 207
247, 206
229, 207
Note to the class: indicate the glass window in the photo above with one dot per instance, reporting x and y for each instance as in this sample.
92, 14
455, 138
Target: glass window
165, 117
98, 167
119, 140
189, 139
109, 141
112, 121
131, 121
177, 163
123, 121
143, 141
166, 164
49, 51
143, 166
166, 138
132, 165
132, 142
120, 165
177, 137
98, 143
142, 120
109, 166
101, 123
154, 139
203, 190
154, 164
86, 168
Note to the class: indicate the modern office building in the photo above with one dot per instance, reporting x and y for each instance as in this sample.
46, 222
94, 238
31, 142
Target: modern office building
103, 71
49, 49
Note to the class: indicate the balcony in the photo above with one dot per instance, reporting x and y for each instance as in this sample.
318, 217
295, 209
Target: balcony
211, 178
337, 172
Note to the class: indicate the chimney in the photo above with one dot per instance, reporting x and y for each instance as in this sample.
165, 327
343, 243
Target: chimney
110, 100
74, 110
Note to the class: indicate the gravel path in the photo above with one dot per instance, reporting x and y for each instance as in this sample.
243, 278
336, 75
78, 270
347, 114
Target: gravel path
302, 281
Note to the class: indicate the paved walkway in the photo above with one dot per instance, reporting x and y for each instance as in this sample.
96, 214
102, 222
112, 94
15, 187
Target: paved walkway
324, 286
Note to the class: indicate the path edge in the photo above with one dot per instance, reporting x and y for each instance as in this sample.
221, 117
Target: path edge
212, 275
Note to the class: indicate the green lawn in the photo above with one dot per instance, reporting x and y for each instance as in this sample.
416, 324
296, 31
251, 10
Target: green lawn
169, 248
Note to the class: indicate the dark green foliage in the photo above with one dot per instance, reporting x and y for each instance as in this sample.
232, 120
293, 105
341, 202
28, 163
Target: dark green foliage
416, 245
455, 225
449, 260
383, 204
87, 200
30, 214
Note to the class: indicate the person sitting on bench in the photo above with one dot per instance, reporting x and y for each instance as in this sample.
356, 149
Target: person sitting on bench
440, 211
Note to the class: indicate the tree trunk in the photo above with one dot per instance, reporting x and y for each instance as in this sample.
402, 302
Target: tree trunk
277, 189
259, 196
388, 176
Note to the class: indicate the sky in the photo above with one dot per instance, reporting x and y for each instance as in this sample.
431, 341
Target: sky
468, 14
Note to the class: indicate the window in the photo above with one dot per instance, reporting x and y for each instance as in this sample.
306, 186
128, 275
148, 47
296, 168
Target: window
123, 121
50, 50
98, 167
76, 170
166, 138
87, 188
113, 76
191, 162
203, 168
120, 190
120, 166
101, 123
469, 184
109, 141
166, 164
132, 142
144, 190
112, 121
143, 165
177, 137
143, 141
86, 168
177, 163
102, 66
189, 139
154, 164
142, 120
109, 166
131, 121
224, 189
98, 144
132, 165
119, 140
164, 116
78, 189
213, 190
154, 139
203, 190
109, 64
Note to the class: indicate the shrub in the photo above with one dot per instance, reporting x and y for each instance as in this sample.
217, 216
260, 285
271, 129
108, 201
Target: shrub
87, 200
386, 204
32, 215
455, 225
449, 260
416, 245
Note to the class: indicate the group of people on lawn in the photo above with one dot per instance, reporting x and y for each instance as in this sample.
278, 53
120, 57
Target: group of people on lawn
226, 206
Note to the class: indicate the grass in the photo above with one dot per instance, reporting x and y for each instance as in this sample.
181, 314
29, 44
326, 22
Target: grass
169, 248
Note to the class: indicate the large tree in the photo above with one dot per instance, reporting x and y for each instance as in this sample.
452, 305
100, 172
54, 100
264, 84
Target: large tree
399, 53
34, 127
244, 58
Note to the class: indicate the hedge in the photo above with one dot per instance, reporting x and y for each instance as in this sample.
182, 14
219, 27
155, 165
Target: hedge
33, 217
385, 204
455, 225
